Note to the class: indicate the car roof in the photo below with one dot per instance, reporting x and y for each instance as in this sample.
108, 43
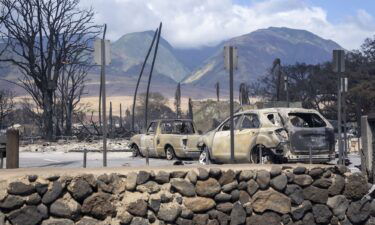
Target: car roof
278, 109
171, 120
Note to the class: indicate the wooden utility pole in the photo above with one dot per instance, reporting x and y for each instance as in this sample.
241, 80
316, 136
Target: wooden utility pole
104, 112
12, 149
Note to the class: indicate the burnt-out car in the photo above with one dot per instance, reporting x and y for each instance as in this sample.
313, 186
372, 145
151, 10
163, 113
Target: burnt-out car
170, 139
272, 135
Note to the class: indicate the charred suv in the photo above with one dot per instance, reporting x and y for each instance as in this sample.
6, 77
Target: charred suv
273, 135
170, 139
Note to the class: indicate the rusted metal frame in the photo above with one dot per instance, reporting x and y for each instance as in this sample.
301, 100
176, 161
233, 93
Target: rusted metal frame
140, 76
150, 76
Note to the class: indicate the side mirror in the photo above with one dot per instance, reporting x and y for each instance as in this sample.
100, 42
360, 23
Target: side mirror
200, 132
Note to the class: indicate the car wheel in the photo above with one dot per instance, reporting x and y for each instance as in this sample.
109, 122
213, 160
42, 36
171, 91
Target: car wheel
204, 157
135, 151
267, 157
169, 153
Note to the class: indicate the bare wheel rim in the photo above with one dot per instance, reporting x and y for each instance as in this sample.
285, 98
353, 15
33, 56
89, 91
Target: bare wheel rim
169, 154
203, 158
135, 151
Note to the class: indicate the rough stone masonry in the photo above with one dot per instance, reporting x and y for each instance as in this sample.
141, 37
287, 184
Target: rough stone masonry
330, 195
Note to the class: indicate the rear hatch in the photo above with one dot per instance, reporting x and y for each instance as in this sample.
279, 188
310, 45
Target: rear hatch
309, 130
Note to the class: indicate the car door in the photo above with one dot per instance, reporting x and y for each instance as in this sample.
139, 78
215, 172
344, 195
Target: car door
246, 136
190, 141
148, 140
221, 142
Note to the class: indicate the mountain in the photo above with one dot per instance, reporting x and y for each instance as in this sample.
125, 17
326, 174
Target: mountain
128, 54
256, 52
193, 57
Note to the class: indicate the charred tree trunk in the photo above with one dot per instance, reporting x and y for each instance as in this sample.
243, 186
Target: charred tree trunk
48, 114
69, 116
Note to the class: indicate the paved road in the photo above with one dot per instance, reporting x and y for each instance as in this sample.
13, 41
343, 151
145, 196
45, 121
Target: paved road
94, 160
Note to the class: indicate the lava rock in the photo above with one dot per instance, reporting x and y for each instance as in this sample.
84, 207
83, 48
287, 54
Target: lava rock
99, 206
52, 194
235, 195
184, 187
222, 197
80, 189
182, 221
142, 177
303, 180
323, 183
224, 207
199, 204
237, 215
316, 172
33, 199
308, 219
244, 197
192, 176
321, 213
162, 177
279, 182
263, 179
276, 170
358, 211
252, 187
299, 170
271, 200
169, 211
131, 182
337, 186
207, 188
267, 218
139, 221
314, 194
148, 187
28, 215
124, 217
11, 202
138, 208
229, 187
202, 174
246, 175
338, 204
200, 219
55, 221
65, 207
187, 213
20, 188
356, 186
178, 174
227, 177
295, 193
299, 212
89, 221
215, 172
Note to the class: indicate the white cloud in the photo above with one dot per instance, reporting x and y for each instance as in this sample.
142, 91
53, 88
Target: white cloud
193, 23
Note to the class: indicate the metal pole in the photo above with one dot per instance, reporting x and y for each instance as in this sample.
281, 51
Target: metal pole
104, 100
231, 104
260, 154
1, 159
344, 118
147, 157
310, 154
149, 78
140, 76
286, 84
110, 119
84, 158
339, 121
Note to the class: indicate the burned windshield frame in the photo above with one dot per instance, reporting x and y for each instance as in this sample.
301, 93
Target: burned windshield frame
306, 120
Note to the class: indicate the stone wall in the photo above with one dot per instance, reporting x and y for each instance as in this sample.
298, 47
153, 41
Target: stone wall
200, 196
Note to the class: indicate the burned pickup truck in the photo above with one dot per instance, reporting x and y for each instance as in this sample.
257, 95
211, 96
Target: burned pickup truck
168, 139
273, 135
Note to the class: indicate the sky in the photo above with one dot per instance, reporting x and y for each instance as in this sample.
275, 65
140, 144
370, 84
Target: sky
197, 23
